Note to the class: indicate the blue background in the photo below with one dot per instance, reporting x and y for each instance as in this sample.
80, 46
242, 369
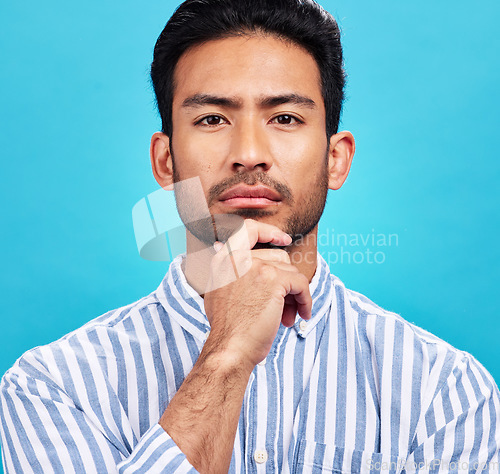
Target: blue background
77, 113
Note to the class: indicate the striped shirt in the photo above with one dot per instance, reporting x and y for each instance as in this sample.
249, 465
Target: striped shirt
354, 389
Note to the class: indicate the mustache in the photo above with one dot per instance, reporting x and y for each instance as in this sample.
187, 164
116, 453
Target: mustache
250, 179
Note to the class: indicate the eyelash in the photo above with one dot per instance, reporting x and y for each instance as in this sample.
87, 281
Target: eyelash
199, 122
297, 120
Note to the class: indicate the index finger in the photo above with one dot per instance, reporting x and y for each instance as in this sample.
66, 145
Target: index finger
252, 232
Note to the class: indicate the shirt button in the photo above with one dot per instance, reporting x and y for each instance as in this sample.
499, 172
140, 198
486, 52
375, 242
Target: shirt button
303, 325
262, 362
260, 456
206, 336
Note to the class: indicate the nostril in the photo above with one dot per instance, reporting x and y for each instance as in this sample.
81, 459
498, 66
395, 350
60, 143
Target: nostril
251, 166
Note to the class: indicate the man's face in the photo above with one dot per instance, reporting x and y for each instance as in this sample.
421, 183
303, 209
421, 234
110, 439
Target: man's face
249, 121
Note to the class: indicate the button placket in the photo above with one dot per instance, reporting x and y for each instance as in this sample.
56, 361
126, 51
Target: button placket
259, 453
256, 442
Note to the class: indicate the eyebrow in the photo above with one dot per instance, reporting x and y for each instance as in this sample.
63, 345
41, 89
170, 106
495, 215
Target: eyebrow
294, 99
199, 100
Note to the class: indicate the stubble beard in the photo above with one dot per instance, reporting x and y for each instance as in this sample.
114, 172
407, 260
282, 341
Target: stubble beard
298, 225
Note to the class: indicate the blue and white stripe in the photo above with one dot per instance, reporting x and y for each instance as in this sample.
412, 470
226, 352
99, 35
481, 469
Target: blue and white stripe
357, 389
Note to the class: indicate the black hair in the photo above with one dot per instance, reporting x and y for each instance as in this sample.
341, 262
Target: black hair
303, 22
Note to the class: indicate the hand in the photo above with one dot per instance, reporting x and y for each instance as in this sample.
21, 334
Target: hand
254, 290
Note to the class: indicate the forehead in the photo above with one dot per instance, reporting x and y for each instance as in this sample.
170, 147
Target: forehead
247, 66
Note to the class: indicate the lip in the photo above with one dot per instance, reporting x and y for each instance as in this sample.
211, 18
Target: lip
243, 192
249, 202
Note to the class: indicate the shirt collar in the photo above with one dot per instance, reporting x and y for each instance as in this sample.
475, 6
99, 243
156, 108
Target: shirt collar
183, 304
321, 289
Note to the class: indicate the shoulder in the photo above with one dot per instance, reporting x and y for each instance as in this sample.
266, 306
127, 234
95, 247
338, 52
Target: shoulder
94, 342
391, 341
364, 309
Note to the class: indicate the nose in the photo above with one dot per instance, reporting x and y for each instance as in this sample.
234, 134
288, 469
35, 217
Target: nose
249, 148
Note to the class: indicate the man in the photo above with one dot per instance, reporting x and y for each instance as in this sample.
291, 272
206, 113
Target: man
250, 356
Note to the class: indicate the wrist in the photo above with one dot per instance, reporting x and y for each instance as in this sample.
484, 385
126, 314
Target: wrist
226, 360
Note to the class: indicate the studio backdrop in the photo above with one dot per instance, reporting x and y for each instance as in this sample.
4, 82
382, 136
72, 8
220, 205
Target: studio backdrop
414, 228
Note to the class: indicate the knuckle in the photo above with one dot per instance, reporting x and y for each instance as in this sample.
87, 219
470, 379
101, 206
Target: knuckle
304, 279
268, 272
283, 254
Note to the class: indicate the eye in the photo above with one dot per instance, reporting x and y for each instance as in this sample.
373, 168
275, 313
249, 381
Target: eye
286, 119
211, 121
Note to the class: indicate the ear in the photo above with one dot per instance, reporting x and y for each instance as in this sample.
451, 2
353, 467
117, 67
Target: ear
340, 156
161, 160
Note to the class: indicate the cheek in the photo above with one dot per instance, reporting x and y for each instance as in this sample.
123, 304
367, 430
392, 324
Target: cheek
300, 157
191, 158
199, 153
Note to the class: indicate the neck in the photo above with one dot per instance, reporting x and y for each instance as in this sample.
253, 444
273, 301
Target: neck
196, 266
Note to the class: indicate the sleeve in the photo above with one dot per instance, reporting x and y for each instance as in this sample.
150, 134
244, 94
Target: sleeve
460, 429
43, 430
